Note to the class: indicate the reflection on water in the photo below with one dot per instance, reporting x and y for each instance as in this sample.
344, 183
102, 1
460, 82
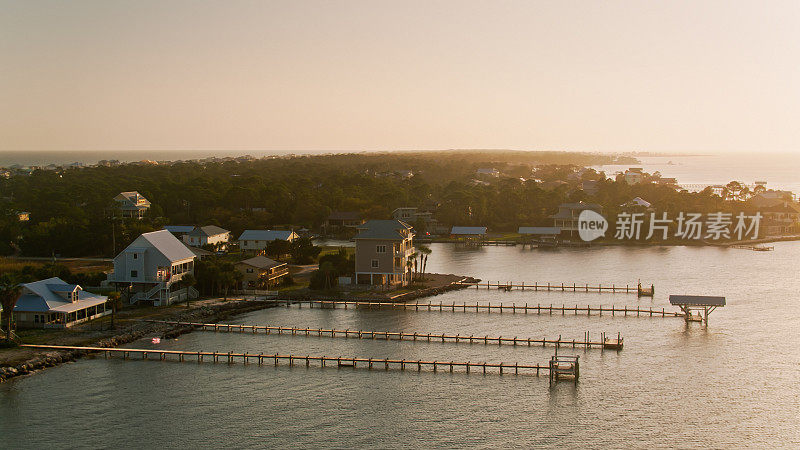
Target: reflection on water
732, 384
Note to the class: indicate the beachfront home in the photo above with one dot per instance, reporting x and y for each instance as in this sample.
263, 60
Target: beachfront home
132, 204
780, 219
261, 272
54, 303
151, 268
416, 217
468, 233
257, 240
208, 235
383, 248
567, 217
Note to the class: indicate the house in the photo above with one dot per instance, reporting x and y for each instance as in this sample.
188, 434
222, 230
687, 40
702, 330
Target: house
634, 175
412, 215
23, 216
132, 204
636, 203
261, 272
258, 239
151, 268
208, 235
199, 253
54, 303
780, 219
771, 198
179, 231
383, 249
591, 187
492, 172
468, 232
567, 217
341, 220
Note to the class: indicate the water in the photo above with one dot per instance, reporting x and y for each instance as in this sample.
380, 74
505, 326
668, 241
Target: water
733, 384
778, 170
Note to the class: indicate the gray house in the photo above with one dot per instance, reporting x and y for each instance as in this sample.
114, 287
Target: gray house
151, 269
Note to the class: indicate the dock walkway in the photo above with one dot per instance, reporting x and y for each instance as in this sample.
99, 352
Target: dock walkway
478, 307
605, 342
319, 361
564, 287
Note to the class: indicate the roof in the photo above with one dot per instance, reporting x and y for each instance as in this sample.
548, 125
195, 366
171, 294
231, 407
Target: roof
344, 215
637, 201
468, 230
261, 262
41, 296
580, 205
384, 229
208, 230
266, 235
540, 230
199, 252
172, 248
696, 300
179, 228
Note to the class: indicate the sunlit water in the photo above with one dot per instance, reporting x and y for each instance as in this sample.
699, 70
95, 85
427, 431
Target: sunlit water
735, 384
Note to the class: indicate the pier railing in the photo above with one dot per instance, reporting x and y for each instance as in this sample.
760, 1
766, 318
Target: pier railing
563, 287
513, 308
318, 361
604, 342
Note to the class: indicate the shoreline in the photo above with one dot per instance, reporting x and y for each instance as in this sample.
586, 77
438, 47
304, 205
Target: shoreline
39, 360
626, 243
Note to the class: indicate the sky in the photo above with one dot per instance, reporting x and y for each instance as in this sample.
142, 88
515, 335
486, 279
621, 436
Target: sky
606, 76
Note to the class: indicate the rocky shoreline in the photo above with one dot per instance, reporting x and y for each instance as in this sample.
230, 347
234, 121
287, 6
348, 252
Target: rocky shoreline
134, 332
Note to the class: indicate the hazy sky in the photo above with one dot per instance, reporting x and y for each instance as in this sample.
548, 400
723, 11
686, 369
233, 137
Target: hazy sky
377, 75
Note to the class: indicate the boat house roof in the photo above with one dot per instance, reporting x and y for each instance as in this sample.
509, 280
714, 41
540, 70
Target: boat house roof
696, 300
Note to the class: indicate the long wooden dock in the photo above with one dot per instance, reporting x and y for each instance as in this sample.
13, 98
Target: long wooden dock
563, 287
318, 361
605, 342
489, 307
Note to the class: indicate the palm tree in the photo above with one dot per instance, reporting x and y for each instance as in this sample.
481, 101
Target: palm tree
10, 291
425, 250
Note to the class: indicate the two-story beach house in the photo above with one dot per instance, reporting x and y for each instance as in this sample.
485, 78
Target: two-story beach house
567, 217
54, 303
258, 239
132, 204
151, 268
383, 247
208, 235
261, 272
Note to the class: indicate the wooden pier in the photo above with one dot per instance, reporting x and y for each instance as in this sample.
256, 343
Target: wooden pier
318, 361
563, 287
488, 307
604, 342
563, 366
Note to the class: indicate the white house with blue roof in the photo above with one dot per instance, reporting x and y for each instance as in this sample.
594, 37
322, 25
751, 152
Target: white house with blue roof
258, 239
151, 268
54, 303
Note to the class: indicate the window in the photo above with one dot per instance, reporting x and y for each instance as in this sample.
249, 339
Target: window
35, 318
135, 256
374, 263
380, 249
249, 270
134, 273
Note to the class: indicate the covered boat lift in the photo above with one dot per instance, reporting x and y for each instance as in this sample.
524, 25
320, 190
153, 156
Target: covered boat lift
703, 304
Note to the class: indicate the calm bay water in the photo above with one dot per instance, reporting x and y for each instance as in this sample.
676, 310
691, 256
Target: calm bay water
734, 384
